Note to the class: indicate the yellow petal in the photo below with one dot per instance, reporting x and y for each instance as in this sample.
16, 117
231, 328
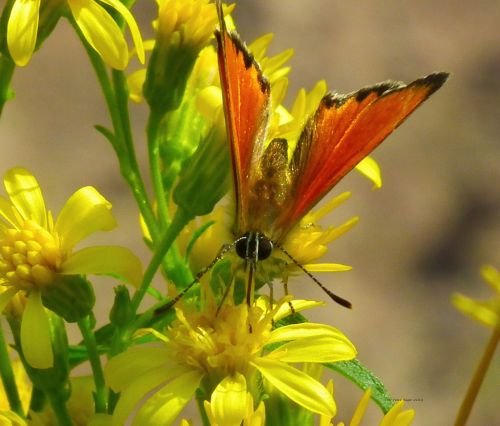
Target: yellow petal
259, 46
369, 168
35, 333
229, 400
330, 205
85, 212
9, 418
317, 349
396, 417
135, 82
22, 29
6, 296
298, 305
138, 387
166, 404
492, 277
311, 343
303, 330
297, 386
132, 24
134, 363
360, 411
7, 213
116, 261
26, 195
327, 267
487, 313
101, 32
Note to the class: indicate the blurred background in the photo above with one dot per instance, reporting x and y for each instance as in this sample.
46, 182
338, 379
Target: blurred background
423, 236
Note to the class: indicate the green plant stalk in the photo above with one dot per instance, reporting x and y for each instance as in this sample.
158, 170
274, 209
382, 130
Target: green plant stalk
153, 126
7, 68
174, 264
477, 379
117, 103
95, 363
8, 378
58, 404
179, 221
201, 409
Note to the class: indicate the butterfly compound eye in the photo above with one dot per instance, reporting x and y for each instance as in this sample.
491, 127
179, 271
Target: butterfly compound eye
254, 246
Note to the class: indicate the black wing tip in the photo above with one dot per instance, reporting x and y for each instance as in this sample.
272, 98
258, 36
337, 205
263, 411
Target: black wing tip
248, 57
433, 81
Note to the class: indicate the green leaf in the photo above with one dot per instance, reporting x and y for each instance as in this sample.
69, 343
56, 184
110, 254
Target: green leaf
70, 296
361, 376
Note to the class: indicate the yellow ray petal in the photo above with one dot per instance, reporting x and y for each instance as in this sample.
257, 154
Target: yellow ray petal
7, 213
369, 168
298, 305
138, 387
229, 400
297, 386
315, 349
166, 404
6, 296
134, 363
22, 29
85, 212
35, 333
101, 32
26, 195
116, 261
134, 29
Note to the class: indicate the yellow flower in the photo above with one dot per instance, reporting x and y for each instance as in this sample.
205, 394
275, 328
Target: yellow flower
35, 252
226, 351
485, 312
217, 414
308, 241
189, 22
96, 24
394, 417
9, 418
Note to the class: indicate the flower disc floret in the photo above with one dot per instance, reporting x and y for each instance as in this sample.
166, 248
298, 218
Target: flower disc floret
29, 256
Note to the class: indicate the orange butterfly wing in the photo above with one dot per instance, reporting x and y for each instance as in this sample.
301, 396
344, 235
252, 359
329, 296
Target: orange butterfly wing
344, 130
246, 96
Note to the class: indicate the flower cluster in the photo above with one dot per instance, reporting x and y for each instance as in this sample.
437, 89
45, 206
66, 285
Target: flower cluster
251, 360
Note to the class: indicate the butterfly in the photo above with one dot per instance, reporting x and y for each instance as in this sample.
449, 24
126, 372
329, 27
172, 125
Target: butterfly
274, 192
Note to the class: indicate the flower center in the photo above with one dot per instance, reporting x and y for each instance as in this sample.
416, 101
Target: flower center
220, 344
29, 256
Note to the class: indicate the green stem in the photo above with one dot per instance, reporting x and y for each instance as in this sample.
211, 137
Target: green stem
129, 165
178, 223
201, 409
95, 362
58, 405
116, 98
7, 68
154, 122
477, 379
8, 378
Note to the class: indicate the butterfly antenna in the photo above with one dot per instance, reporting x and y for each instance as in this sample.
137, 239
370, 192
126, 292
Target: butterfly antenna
220, 14
222, 252
343, 302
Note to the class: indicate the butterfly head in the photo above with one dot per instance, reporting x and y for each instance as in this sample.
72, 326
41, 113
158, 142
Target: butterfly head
254, 246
